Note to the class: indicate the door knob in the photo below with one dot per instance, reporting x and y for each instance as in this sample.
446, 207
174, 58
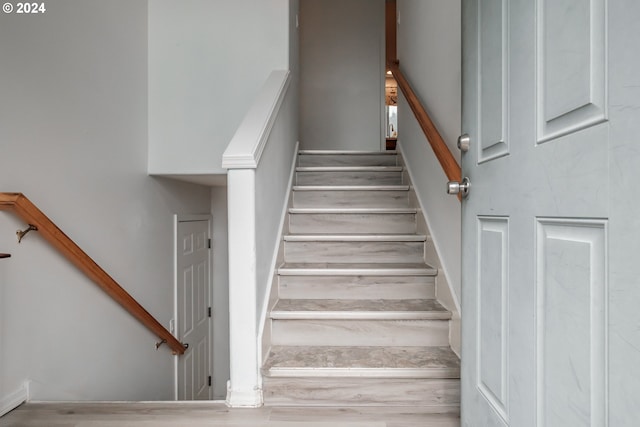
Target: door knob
462, 188
464, 142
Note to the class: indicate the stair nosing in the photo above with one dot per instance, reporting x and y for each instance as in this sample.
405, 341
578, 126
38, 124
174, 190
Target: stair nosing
408, 211
348, 152
344, 270
399, 187
360, 315
349, 169
341, 309
354, 238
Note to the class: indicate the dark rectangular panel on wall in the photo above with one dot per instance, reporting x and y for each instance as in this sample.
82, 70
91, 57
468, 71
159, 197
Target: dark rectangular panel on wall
390, 30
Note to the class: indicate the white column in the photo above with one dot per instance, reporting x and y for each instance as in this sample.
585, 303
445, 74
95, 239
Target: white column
244, 388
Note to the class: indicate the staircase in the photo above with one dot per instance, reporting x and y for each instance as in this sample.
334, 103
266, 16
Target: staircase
356, 321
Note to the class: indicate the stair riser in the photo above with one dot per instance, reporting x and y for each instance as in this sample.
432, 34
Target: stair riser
352, 223
356, 287
347, 160
348, 178
360, 332
350, 199
362, 392
345, 252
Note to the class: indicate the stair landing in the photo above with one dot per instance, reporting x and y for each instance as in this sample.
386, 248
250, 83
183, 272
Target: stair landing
209, 414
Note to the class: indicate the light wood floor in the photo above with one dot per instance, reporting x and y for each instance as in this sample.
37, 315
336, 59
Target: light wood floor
191, 414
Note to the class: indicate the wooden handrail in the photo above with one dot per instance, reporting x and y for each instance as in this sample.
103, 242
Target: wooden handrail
440, 149
28, 212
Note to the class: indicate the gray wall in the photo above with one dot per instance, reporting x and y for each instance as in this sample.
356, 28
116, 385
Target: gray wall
272, 191
274, 171
207, 61
73, 138
342, 74
220, 292
429, 49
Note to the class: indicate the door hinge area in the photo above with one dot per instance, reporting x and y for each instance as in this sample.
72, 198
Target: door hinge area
209, 243
209, 311
209, 381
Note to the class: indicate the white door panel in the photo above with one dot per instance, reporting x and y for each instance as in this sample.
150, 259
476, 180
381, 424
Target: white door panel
537, 226
193, 299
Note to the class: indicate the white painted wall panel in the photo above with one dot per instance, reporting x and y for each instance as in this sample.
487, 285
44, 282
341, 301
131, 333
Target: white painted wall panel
73, 138
342, 74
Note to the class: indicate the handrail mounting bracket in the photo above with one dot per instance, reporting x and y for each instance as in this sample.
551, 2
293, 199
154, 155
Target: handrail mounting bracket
22, 233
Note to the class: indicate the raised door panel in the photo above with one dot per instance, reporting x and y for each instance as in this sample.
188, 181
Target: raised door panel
493, 76
492, 323
571, 56
571, 322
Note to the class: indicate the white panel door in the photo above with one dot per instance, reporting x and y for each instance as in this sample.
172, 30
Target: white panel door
540, 281
192, 318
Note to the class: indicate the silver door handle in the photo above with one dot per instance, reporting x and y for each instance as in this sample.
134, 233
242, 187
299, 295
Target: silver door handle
462, 188
464, 142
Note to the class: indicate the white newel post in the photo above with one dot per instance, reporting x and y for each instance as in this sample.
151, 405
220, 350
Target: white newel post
241, 159
243, 389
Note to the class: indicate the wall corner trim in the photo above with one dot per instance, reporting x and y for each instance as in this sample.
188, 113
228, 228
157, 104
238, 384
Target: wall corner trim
246, 146
11, 401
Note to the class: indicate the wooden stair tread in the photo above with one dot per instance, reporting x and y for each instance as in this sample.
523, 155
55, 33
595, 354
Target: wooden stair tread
370, 361
365, 211
347, 152
383, 309
397, 187
355, 238
359, 269
349, 169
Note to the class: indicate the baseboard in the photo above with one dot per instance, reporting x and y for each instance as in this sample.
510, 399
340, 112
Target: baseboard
243, 398
15, 399
446, 275
444, 291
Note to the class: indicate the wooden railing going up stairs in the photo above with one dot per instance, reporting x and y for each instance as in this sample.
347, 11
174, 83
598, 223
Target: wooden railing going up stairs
28, 212
440, 149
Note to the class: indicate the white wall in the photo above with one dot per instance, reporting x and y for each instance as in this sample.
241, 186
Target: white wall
207, 61
429, 50
342, 74
73, 138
